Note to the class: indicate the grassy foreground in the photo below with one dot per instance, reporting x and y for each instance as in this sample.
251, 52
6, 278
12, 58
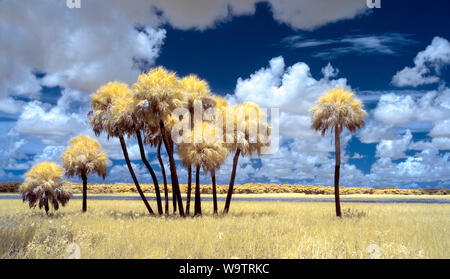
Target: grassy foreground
121, 229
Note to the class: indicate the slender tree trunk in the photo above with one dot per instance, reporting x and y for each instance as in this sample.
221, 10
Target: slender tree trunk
233, 176
133, 175
173, 169
337, 142
174, 201
163, 171
150, 169
189, 189
198, 202
174, 195
213, 178
84, 178
47, 208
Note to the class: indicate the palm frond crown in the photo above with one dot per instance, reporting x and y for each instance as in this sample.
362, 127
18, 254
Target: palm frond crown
337, 108
84, 156
209, 153
101, 100
43, 183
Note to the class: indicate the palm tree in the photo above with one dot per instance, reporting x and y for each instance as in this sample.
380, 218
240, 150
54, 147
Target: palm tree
43, 183
198, 96
337, 109
209, 153
158, 93
106, 116
82, 158
154, 139
128, 122
250, 134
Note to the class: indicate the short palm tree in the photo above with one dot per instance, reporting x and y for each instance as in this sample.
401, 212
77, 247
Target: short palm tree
43, 184
82, 158
198, 96
106, 117
250, 134
158, 93
336, 110
209, 153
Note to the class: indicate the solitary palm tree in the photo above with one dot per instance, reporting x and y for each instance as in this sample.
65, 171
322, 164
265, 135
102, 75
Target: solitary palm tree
43, 184
158, 93
107, 117
250, 134
336, 110
82, 158
209, 153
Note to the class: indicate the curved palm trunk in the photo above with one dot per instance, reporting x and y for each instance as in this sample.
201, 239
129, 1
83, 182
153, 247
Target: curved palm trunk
198, 203
233, 176
133, 175
173, 169
337, 142
189, 190
213, 178
163, 171
84, 178
150, 169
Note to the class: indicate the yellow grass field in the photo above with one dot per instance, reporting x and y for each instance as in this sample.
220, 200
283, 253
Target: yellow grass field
121, 229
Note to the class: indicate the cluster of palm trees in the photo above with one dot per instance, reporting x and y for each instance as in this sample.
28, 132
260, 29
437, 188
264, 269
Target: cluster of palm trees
148, 112
43, 183
152, 111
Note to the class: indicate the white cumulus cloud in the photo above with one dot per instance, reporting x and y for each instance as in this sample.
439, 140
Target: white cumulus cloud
427, 65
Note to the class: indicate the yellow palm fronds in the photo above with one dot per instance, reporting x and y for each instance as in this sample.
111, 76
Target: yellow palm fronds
251, 131
209, 152
338, 108
84, 156
220, 102
158, 92
196, 89
43, 184
101, 102
123, 118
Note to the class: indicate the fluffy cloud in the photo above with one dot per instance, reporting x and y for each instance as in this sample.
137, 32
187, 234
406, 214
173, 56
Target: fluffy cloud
76, 48
394, 148
395, 110
374, 132
292, 89
52, 126
427, 166
300, 14
426, 112
304, 154
430, 60
10, 105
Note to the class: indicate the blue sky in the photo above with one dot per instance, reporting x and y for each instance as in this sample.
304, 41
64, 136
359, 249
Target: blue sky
394, 58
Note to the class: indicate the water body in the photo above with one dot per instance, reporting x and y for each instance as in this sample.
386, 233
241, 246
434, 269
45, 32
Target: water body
260, 199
